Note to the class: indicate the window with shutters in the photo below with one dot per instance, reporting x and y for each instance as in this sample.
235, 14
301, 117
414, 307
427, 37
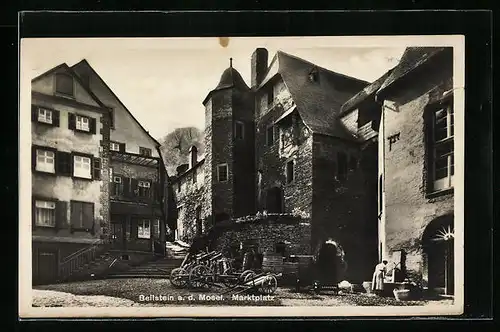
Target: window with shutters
144, 188
45, 160
64, 84
82, 123
144, 229
82, 166
82, 216
45, 213
144, 151
44, 115
114, 146
222, 172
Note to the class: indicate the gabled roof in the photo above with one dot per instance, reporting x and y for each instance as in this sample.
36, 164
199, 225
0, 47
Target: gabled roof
84, 62
318, 102
412, 58
368, 91
75, 76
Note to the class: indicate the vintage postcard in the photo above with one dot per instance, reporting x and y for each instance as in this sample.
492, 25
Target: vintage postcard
215, 177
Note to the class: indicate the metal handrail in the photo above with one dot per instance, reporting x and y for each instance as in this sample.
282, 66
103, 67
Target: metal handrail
78, 252
78, 259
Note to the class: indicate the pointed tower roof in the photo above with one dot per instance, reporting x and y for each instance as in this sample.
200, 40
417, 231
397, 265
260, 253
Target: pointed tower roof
230, 78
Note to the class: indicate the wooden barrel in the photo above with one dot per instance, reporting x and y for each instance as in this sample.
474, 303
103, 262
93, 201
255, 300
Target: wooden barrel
272, 262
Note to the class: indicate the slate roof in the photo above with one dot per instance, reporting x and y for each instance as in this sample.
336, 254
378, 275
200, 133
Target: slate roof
70, 71
318, 102
412, 58
367, 92
230, 78
84, 62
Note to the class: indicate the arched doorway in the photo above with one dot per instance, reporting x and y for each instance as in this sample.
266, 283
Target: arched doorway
329, 262
438, 247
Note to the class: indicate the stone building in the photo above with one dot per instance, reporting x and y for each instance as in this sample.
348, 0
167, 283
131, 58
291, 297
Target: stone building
69, 176
98, 176
280, 147
416, 169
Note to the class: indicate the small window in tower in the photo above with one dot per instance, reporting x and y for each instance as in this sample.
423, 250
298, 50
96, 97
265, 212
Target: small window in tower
222, 172
239, 130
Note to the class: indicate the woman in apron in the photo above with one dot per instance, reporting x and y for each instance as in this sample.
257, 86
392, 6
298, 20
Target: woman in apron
378, 277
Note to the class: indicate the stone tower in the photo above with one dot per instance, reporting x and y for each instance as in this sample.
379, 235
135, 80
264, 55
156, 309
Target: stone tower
229, 149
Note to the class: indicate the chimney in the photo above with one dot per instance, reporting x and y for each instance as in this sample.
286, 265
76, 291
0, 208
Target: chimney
193, 156
259, 66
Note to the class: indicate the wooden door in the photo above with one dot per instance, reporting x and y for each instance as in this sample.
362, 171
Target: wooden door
47, 266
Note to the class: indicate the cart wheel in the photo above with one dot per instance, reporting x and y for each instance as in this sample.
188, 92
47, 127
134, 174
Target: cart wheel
246, 275
269, 285
178, 277
201, 276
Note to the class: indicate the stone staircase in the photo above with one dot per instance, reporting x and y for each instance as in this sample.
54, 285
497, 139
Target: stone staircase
158, 268
177, 249
97, 267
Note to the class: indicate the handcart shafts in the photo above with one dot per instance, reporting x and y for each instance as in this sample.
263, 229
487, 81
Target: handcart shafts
211, 269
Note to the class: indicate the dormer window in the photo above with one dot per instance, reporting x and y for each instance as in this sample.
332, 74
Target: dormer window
64, 84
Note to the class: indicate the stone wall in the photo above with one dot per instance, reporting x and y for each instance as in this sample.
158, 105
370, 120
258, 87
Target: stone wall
345, 208
190, 196
135, 171
408, 205
266, 232
221, 152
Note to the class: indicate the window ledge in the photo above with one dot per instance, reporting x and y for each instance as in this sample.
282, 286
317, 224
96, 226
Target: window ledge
46, 124
82, 131
439, 193
45, 173
82, 178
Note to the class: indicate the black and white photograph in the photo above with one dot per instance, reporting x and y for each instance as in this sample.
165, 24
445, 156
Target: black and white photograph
242, 176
